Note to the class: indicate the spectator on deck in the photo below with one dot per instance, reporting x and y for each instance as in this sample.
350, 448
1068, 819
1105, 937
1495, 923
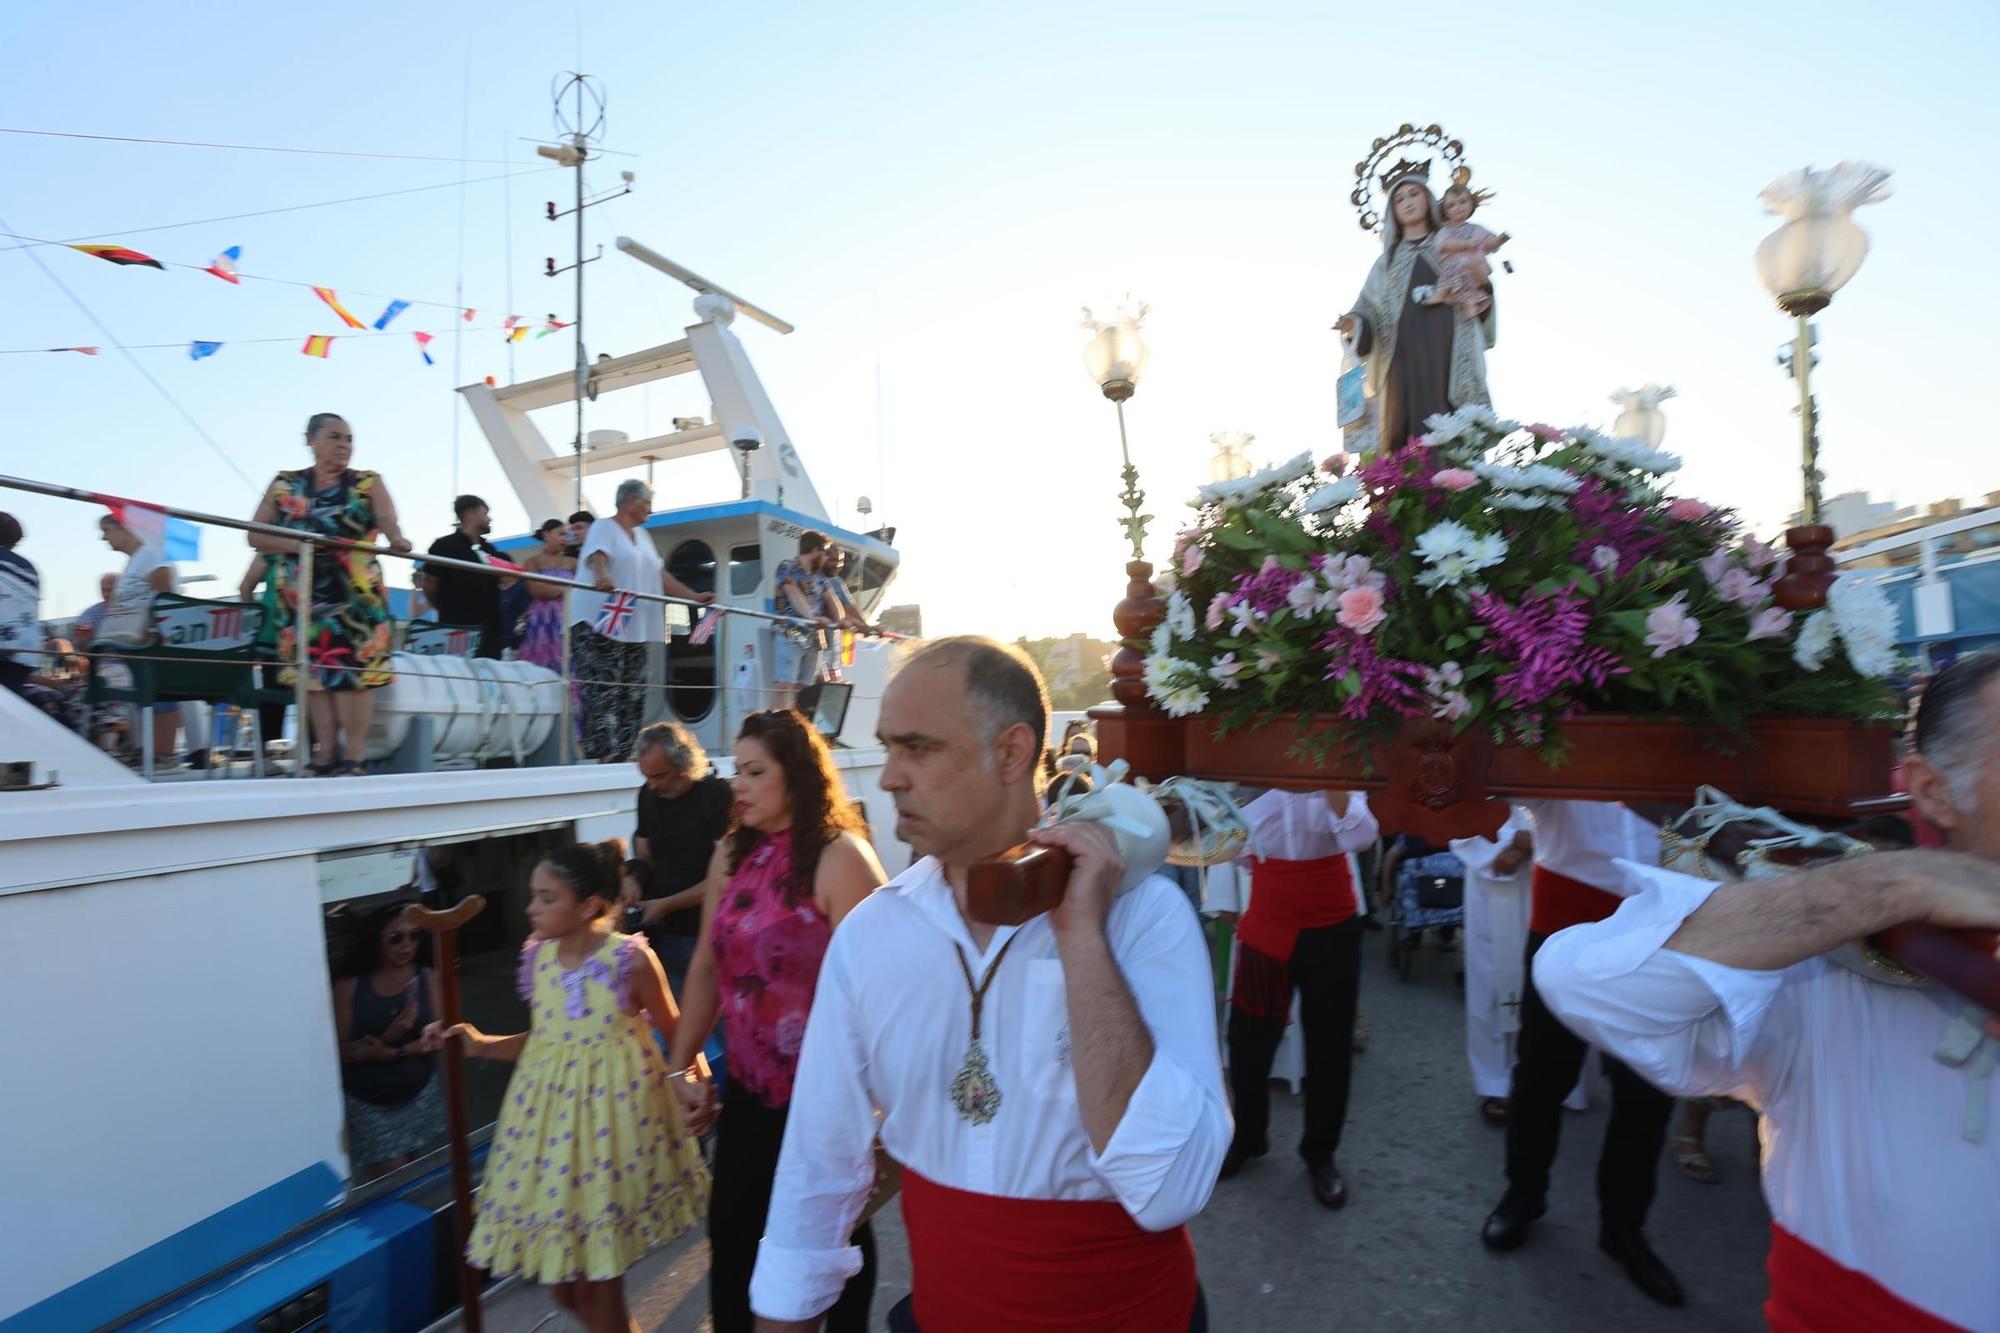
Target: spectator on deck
683, 811
92, 616
147, 572
461, 596
609, 635
579, 528
542, 640
20, 609
394, 1106
802, 593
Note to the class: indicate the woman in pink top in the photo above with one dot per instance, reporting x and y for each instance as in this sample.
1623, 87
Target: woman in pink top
794, 863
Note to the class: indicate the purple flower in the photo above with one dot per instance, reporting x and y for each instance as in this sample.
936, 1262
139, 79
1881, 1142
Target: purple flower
1266, 590
1543, 641
1385, 682
1609, 518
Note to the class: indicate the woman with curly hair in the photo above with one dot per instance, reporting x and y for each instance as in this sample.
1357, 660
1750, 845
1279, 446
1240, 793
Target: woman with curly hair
346, 612
792, 866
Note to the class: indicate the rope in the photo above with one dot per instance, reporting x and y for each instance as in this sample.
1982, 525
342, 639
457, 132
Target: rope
249, 147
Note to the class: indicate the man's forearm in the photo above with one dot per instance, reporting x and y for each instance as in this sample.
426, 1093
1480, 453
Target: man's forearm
1764, 925
1110, 1049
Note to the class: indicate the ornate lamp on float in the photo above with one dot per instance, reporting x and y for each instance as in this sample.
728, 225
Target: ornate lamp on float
1116, 359
1230, 462
1642, 417
1802, 264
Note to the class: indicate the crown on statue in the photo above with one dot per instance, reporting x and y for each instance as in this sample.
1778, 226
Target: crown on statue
1374, 181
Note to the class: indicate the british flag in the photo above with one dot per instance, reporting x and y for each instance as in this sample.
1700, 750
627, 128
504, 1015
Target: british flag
705, 627
617, 611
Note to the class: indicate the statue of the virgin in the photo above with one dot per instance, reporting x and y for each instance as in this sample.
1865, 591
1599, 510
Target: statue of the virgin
1421, 359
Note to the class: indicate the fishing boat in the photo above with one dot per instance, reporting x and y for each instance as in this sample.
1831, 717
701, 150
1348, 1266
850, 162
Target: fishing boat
178, 1157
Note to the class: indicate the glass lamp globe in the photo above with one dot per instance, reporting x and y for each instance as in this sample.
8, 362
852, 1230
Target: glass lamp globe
1819, 247
1116, 358
1230, 461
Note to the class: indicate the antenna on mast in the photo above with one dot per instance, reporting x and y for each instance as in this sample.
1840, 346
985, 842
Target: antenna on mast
654, 259
581, 125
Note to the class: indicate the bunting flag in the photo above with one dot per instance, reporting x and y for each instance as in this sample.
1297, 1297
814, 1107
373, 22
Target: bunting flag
326, 294
318, 345
87, 351
469, 314
224, 266
176, 538
199, 349
704, 629
848, 640
510, 321
520, 332
424, 346
553, 326
395, 308
119, 254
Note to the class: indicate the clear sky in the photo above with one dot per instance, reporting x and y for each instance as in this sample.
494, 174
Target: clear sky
930, 192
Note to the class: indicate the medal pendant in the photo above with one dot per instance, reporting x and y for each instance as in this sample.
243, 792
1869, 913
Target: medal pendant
973, 1091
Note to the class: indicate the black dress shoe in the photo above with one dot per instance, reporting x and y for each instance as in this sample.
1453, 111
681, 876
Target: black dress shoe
1238, 1154
1628, 1246
1507, 1225
1327, 1186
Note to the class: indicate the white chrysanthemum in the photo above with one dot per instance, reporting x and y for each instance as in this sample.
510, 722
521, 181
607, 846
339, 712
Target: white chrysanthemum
1334, 494
1867, 623
1628, 452
1162, 641
1454, 554
1180, 615
1531, 477
1182, 700
1518, 500
1442, 539
1815, 642
1236, 492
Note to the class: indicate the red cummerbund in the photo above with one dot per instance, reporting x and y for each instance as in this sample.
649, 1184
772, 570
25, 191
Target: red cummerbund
1287, 897
979, 1263
1810, 1293
1561, 902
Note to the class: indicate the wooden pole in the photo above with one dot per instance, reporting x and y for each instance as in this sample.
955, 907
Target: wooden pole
444, 926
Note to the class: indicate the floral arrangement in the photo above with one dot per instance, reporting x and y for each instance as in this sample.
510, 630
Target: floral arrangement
1498, 576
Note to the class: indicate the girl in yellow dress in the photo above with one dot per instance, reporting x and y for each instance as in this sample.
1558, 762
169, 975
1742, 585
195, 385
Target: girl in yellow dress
592, 1164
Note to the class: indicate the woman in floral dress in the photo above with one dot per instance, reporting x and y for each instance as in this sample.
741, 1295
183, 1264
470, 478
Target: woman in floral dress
592, 1164
347, 624
791, 868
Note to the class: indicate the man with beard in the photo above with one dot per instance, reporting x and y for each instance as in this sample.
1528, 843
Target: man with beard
1051, 1090
461, 596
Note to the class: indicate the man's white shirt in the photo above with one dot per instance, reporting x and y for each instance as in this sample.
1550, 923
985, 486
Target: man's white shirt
890, 1025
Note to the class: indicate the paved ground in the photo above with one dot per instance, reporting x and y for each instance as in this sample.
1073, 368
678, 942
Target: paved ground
1423, 1170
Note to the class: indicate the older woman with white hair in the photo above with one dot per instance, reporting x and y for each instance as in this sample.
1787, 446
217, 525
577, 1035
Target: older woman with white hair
608, 635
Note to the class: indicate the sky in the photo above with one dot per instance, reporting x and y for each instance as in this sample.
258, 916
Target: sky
930, 193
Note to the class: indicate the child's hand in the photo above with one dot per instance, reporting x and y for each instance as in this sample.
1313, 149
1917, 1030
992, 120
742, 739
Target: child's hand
1502, 239
697, 1099
436, 1034
399, 1027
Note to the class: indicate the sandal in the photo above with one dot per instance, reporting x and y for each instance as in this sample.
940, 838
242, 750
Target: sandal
1493, 1110
322, 770
1693, 1160
349, 768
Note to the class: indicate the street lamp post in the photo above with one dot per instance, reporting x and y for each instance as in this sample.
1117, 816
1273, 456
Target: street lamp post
1116, 359
1802, 264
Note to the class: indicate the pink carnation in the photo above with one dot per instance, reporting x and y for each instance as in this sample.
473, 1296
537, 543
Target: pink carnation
1191, 560
1455, 478
1335, 463
1688, 510
1544, 432
1360, 609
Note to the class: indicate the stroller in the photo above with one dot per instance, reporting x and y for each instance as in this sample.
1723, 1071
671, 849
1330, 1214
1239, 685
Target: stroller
1430, 895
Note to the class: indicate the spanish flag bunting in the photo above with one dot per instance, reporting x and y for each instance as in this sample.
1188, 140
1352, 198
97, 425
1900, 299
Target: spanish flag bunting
520, 332
424, 346
224, 266
319, 344
847, 642
326, 294
119, 254
395, 308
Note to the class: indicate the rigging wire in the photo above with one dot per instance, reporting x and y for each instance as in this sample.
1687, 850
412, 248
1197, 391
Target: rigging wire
365, 334
137, 365
272, 212
458, 290
251, 148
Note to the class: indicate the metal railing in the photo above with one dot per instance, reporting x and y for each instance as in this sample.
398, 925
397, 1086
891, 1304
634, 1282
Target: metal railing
313, 545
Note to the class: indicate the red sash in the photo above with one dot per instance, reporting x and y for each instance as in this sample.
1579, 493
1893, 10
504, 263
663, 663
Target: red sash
979, 1262
1286, 897
1810, 1293
1561, 902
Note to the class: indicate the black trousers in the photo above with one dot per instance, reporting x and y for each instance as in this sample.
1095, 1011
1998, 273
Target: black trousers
902, 1320
1548, 1058
748, 1136
1326, 972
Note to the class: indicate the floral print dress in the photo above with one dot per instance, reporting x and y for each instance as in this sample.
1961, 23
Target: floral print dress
768, 945
347, 630
591, 1164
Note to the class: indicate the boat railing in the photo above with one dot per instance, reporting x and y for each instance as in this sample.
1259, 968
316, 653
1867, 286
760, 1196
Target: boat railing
238, 646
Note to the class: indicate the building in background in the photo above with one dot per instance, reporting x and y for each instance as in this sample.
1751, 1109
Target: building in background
904, 620
1939, 566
